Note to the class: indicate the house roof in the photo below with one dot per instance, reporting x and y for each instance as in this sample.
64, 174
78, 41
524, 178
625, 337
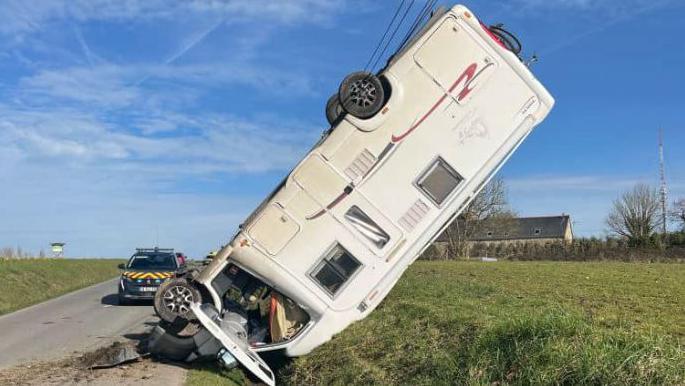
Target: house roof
522, 228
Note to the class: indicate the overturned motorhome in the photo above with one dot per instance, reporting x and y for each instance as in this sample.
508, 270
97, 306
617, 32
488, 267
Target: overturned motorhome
408, 148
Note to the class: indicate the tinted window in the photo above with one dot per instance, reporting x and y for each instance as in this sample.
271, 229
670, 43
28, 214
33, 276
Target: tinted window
335, 269
439, 181
153, 261
328, 277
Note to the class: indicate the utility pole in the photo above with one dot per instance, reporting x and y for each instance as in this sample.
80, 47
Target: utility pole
663, 190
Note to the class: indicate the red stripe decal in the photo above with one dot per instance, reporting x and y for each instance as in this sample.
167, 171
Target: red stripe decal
316, 215
466, 76
331, 205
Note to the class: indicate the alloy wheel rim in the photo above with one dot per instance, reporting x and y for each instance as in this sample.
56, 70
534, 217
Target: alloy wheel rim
177, 299
363, 93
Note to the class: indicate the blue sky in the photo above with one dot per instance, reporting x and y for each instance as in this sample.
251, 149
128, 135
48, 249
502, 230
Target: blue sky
125, 123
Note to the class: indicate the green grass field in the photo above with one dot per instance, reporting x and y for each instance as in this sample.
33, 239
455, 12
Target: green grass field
24, 282
508, 323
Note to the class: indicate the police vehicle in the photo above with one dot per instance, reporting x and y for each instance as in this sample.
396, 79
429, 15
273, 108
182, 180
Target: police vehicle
145, 271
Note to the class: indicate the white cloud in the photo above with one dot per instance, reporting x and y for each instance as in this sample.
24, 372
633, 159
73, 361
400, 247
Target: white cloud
575, 183
106, 85
68, 175
21, 17
101, 212
610, 6
117, 86
590, 183
96, 157
587, 198
227, 143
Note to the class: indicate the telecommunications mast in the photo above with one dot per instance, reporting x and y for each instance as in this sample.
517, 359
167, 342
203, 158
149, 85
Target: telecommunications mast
662, 190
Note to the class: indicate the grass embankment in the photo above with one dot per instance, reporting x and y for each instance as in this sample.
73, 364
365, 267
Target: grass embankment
24, 282
509, 323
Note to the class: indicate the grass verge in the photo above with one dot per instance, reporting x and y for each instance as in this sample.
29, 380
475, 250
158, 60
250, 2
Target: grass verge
510, 323
24, 282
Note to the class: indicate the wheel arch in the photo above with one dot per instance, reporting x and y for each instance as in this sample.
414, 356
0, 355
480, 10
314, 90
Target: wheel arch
394, 95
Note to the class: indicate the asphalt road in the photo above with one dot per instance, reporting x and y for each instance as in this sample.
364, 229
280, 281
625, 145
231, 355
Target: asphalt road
75, 322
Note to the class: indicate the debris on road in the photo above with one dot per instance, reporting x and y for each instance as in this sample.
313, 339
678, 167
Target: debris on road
120, 363
110, 356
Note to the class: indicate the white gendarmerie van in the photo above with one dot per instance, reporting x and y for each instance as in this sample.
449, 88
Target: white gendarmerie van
408, 149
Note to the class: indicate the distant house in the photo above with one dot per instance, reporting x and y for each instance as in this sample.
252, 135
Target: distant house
536, 229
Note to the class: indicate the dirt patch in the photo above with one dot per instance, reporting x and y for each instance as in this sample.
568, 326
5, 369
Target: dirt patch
110, 356
82, 370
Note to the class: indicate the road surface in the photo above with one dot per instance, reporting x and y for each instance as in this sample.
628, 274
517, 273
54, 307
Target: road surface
77, 321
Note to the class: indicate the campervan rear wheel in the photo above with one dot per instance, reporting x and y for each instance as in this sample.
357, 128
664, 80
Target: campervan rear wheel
361, 94
333, 109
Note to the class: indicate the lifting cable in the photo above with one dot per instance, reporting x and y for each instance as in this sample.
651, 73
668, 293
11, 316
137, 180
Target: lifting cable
428, 7
397, 12
390, 39
385, 34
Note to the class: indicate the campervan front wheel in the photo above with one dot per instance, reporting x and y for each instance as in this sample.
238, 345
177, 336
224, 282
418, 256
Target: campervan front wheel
361, 94
173, 299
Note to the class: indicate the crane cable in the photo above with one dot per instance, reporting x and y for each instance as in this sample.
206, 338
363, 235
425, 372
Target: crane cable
419, 16
404, 16
397, 12
428, 6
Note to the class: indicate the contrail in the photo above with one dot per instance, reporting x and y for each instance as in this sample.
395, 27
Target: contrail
193, 42
187, 47
603, 26
84, 46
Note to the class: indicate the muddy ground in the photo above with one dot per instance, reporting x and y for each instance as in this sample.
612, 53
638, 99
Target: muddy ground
80, 369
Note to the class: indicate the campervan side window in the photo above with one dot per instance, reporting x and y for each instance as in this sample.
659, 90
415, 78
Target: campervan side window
438, 181
366, 227
335, 269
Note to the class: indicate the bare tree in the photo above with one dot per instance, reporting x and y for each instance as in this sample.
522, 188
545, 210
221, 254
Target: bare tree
635, 215
488, 209
678, 212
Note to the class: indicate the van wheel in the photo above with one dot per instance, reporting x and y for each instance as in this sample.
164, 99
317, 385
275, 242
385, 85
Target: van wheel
361, 94
333, 109
173, 299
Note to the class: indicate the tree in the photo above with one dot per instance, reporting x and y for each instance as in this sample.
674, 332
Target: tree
488, 209
678, 212
635, 215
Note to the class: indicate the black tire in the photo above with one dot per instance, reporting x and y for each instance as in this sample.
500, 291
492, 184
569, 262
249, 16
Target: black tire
333, 109
361, 94
173, 298
163, 344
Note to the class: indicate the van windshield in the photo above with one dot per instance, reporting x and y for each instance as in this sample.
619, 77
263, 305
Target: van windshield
268, 316
152, 261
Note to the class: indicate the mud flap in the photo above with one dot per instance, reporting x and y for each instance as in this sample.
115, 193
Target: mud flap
237, 346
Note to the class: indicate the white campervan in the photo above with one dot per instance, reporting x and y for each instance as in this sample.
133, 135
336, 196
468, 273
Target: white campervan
408, 149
